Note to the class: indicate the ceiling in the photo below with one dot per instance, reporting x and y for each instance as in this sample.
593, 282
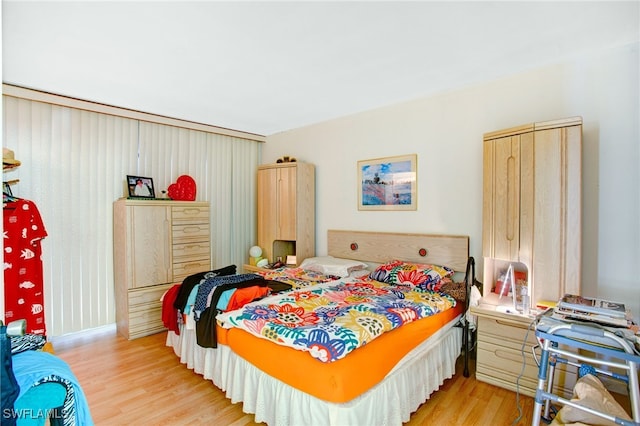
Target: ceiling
265, 67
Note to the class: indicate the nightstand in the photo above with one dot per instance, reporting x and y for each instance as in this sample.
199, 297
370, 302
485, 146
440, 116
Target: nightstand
501, 354
251, 268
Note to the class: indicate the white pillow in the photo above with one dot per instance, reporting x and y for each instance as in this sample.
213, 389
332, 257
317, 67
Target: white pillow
329, 265
361, 273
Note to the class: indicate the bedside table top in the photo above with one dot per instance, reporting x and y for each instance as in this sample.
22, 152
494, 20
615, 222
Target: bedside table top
252, 268
492, 306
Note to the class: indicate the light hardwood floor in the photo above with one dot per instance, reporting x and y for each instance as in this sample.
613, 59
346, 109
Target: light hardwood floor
142, 382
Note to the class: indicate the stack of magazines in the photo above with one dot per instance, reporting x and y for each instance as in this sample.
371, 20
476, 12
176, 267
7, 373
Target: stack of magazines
600, 311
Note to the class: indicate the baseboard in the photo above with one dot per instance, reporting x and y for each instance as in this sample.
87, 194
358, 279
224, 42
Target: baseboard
83, 336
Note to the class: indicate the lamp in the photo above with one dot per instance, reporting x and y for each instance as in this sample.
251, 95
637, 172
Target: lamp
255, 254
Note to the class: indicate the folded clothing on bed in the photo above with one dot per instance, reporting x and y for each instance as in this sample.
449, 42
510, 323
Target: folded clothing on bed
246, 288
192, 280
206, 288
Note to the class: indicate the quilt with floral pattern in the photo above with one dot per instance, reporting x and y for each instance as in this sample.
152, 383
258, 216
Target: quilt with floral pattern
330, 320
297, 277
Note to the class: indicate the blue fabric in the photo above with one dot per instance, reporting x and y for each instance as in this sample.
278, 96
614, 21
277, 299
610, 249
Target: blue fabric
586, 369
191, 300
222, 303
42, 401
31, 366
225, 297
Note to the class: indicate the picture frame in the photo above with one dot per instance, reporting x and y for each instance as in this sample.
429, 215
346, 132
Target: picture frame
388, 183
140, 187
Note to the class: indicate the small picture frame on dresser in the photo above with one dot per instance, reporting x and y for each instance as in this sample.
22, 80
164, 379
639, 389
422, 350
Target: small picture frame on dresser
140, 187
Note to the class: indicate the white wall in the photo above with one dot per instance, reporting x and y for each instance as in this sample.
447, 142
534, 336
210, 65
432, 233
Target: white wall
445, 130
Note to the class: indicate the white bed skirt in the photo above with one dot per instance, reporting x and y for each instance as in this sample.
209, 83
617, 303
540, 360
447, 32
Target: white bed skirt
390, 402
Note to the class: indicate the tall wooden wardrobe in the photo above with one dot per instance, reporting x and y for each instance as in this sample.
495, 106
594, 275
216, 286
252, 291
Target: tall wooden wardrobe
286, 210
532, 204
531, 219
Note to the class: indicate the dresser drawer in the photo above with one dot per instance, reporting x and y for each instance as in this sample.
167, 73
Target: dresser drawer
146, 330
182, 270
190, 214
506, 360
196, 232
191, 251
505, 332
145, 296
501, 365
500, 356
145, 322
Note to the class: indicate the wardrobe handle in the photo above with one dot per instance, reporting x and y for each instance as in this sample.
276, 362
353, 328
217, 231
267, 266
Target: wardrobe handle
278, 192
511, 198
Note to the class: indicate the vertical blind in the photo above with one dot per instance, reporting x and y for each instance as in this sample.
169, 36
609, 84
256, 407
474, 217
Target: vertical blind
74, 164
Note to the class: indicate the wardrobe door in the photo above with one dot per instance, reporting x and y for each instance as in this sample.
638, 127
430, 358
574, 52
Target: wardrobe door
267, 210
287, 195
150, 228
557, 194
501, 202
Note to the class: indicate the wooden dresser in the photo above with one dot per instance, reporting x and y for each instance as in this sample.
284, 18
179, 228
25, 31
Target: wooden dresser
155, 245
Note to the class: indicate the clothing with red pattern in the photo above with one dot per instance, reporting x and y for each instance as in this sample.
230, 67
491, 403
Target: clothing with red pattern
23, 275
169, 313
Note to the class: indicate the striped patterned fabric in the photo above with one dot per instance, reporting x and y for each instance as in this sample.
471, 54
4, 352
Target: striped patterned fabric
27, 342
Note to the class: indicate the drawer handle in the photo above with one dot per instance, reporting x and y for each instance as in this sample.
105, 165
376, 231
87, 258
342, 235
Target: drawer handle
511, 199
192, 210
187, 266
191, 229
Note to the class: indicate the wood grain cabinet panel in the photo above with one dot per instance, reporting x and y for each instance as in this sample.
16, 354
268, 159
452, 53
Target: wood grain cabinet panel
531, 217
286, 210
156, 244
505, 356
532, 204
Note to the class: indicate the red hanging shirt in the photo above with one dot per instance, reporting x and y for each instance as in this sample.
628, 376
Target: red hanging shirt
23, 275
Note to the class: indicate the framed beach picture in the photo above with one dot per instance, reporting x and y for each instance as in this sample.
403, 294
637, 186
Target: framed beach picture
140, 187
387, 183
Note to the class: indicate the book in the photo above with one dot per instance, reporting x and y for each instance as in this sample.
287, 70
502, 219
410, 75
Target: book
593, 306
562, 314
546, 304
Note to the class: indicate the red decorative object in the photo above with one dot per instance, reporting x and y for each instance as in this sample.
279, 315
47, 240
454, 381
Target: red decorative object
183, 190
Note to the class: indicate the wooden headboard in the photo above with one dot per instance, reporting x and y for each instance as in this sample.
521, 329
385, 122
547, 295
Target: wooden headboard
381, 247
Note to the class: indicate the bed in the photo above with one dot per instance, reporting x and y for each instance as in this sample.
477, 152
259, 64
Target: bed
383, 378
